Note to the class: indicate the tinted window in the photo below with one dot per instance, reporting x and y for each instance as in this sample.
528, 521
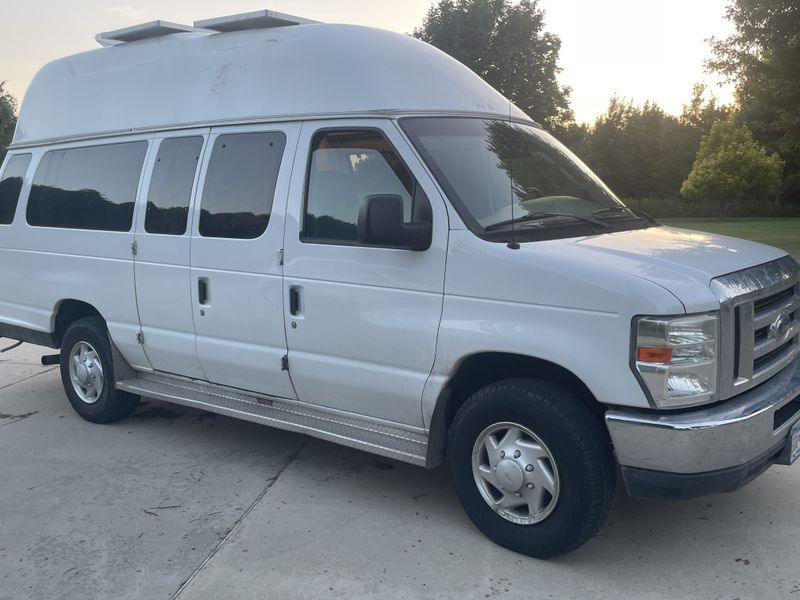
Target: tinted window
171, 185
87, 188
11, 185
240, 184
345, 168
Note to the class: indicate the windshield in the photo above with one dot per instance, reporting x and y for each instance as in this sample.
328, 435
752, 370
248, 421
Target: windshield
498, 172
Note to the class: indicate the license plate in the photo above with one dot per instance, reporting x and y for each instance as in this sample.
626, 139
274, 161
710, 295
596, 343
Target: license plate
794, 440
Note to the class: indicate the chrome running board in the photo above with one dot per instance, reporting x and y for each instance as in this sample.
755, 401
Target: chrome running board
374, 436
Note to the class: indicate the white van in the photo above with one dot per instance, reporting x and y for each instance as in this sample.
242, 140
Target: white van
344, 232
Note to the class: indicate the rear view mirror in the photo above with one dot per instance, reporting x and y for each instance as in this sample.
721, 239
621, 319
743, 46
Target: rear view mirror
380, 223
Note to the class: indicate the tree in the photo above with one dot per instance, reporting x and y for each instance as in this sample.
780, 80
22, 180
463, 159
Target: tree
732, 167
608, 151
507, 45
8, 119
696, 120
700, 114
639, 150
576, 137
763, 58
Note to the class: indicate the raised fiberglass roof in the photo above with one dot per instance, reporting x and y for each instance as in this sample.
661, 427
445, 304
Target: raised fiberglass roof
201, 77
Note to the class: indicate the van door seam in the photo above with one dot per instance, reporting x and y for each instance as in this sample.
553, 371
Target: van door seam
283, 251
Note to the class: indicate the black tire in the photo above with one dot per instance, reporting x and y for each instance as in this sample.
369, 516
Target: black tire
579, 444
110, 404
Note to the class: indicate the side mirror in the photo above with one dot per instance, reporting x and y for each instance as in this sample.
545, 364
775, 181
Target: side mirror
380, 223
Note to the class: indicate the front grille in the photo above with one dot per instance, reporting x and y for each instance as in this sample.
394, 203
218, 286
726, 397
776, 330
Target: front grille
765, 362
760, 323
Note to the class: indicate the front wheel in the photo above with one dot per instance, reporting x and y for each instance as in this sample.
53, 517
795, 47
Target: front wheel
532, 466
87, 373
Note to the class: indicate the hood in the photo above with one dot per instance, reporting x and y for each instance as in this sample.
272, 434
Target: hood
682, 261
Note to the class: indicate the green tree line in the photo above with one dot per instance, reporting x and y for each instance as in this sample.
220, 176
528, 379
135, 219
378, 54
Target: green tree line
643, 151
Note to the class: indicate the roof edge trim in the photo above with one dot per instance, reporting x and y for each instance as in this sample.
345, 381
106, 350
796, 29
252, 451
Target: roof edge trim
376, 114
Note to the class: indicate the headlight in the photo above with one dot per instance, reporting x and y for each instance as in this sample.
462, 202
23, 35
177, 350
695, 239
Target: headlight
676, 358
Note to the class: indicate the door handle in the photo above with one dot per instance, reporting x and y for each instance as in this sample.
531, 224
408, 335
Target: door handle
294, 300
202, 290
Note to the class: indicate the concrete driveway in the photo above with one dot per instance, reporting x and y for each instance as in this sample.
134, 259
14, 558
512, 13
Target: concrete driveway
178, 503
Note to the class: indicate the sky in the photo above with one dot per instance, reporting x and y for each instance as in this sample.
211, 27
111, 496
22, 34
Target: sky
637, 49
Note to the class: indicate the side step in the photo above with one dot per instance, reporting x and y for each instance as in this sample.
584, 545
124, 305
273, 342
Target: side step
291, 415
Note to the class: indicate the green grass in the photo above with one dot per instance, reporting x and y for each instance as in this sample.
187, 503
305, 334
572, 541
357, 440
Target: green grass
783, 233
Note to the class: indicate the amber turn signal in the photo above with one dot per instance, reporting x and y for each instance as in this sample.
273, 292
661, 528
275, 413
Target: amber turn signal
654, 355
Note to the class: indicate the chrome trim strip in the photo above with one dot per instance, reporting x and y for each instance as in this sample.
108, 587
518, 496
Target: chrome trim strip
776, 367
729, 361
771, 344
746, 340
764, 318
355, 431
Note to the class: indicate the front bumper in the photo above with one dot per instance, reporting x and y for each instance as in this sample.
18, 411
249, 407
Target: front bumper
672, 455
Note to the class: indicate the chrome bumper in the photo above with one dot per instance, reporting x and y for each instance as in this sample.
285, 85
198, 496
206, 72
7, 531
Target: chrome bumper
729, 435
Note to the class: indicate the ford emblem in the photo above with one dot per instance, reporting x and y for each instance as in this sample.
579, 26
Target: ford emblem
780, 327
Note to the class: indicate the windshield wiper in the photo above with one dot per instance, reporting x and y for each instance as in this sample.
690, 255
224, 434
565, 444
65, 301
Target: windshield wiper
638, 214
613, 210
545, 215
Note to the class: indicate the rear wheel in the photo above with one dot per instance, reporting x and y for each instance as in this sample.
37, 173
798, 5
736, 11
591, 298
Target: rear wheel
87, 373
532, 466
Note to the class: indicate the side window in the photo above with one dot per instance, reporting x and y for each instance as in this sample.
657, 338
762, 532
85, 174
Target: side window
240, 183
92, 187
11, 186
171, 185
346, 166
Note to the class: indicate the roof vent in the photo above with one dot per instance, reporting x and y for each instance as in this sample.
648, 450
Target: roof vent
144, 31
260, 19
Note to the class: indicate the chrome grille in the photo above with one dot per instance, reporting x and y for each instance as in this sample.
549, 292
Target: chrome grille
760, 323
